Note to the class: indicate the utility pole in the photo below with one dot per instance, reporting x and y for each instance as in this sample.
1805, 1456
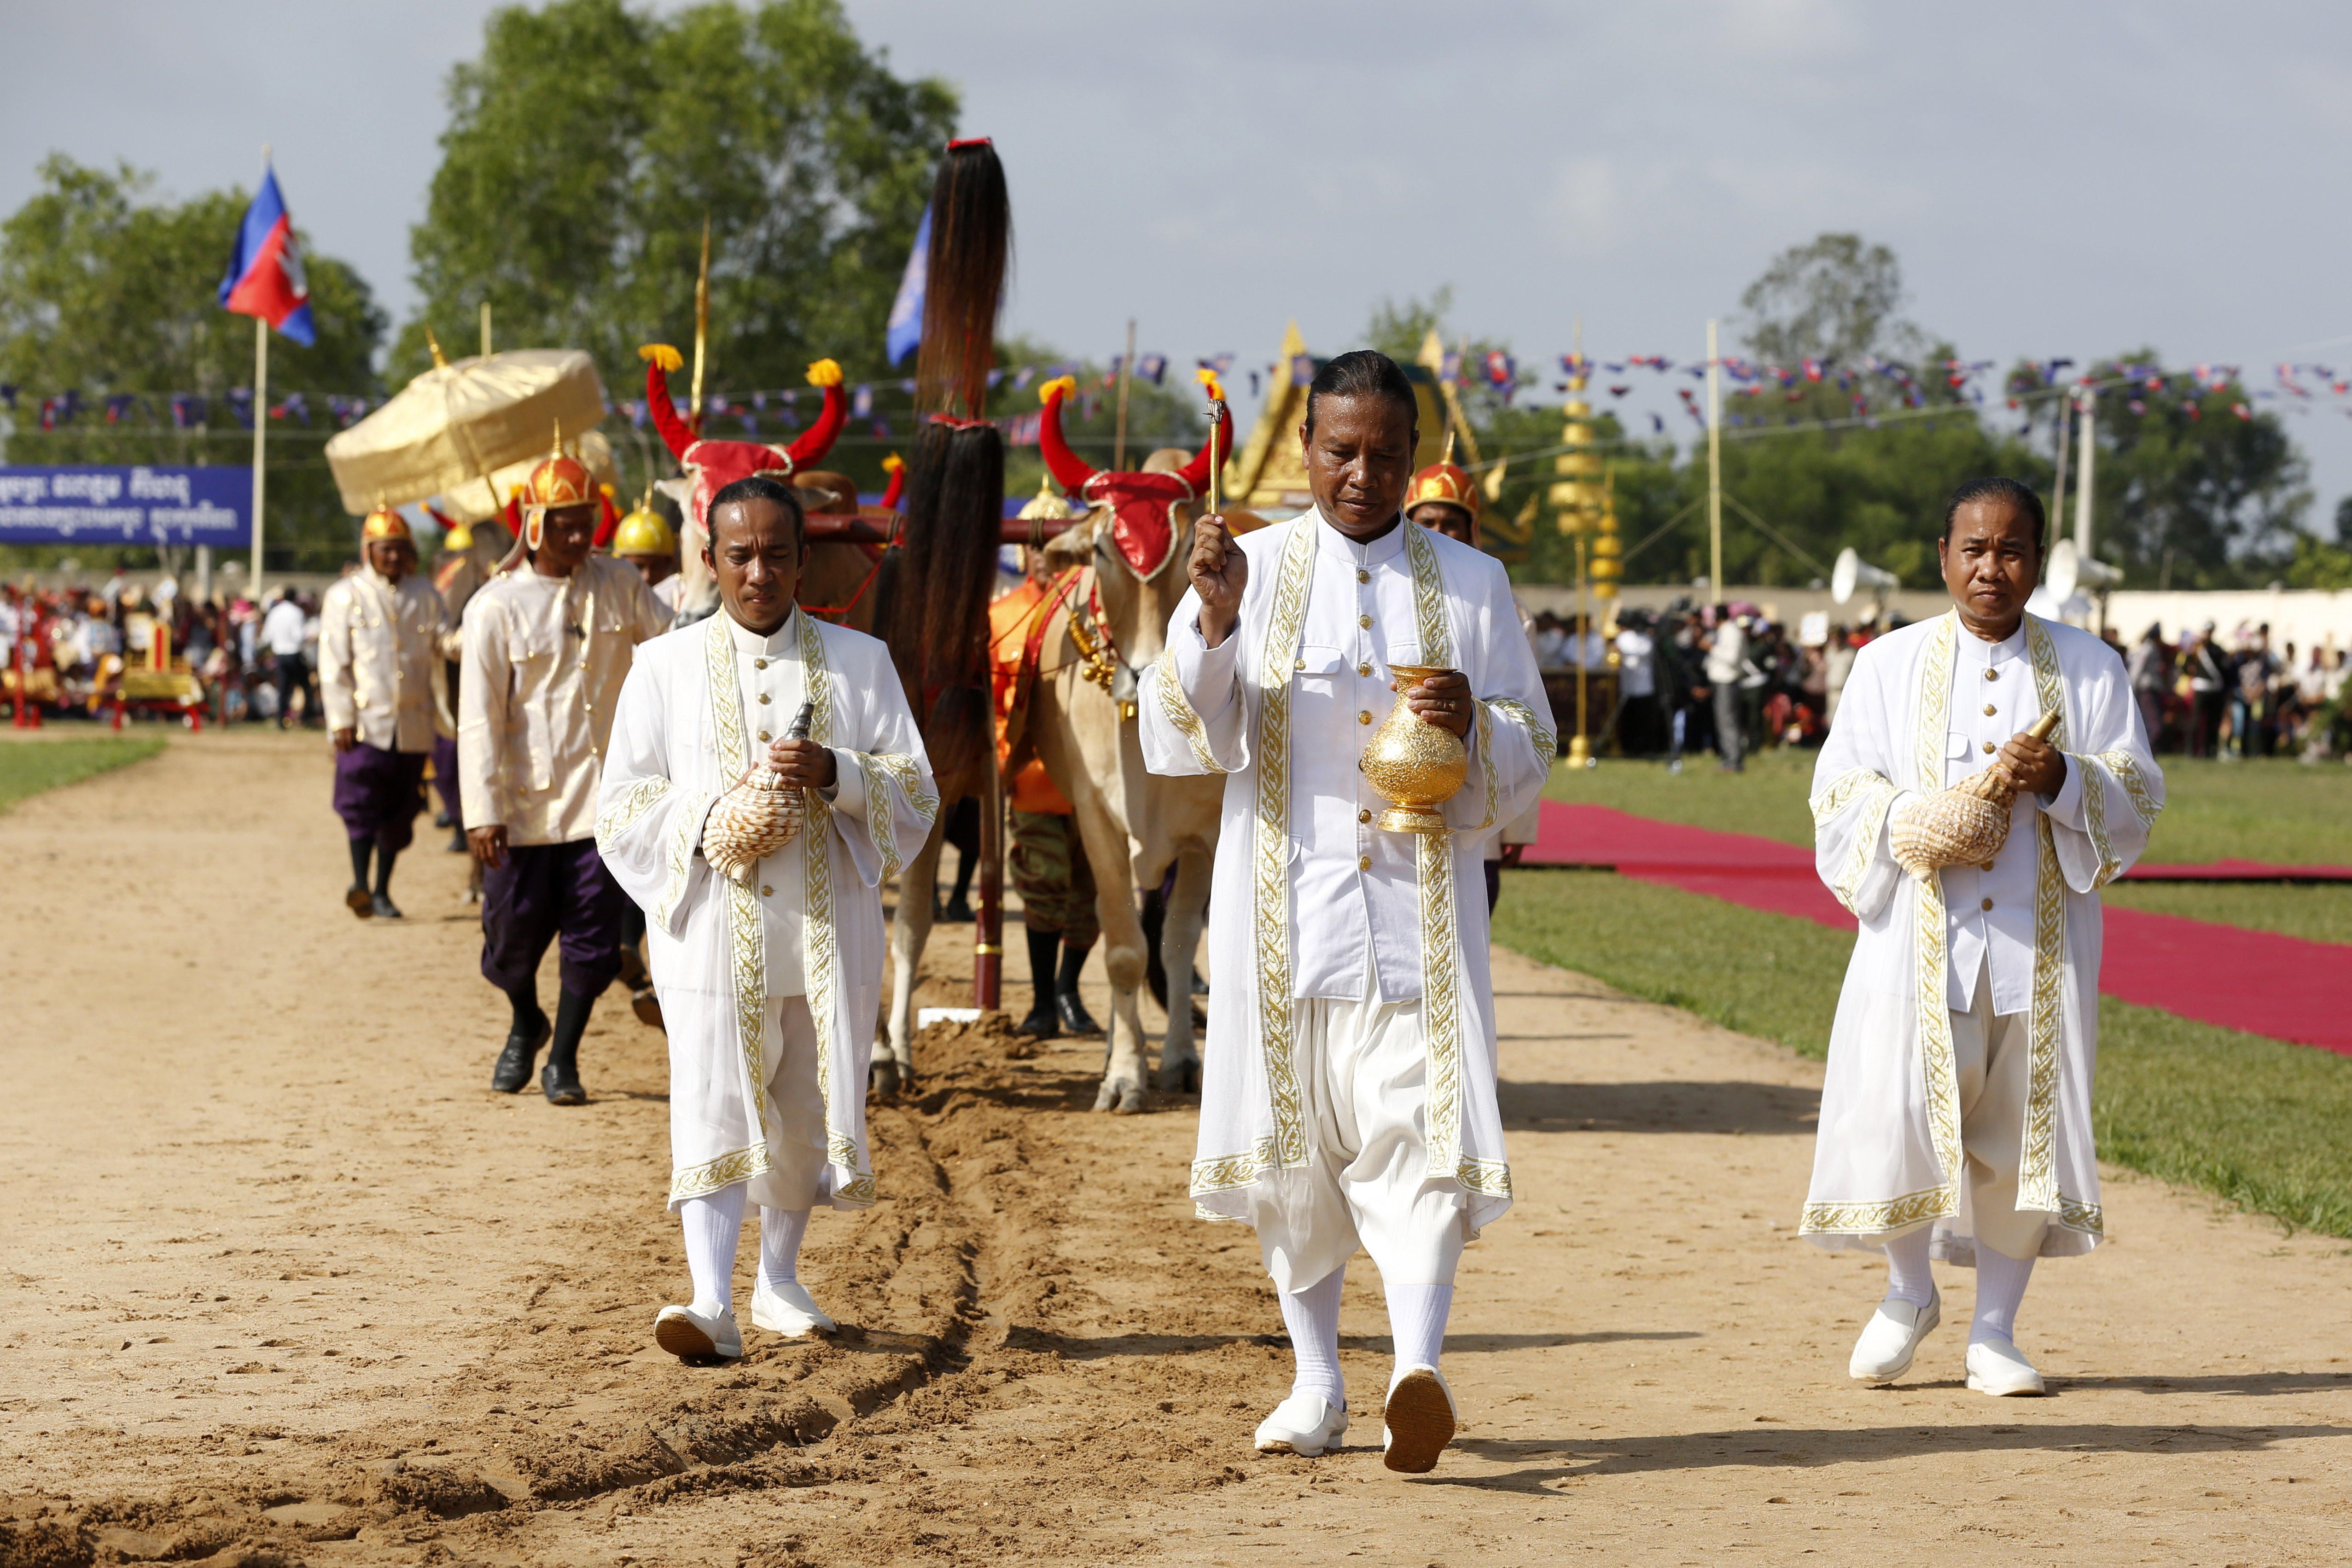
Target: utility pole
1126, 379
2087, 400
1713, 470
2058, 489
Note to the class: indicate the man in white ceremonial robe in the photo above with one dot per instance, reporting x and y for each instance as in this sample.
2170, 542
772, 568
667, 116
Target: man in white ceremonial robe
1348, 1093
1956, 1118
771, 981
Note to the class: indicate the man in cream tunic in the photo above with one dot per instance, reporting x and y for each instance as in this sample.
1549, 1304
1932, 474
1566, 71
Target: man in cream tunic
771, 981
548, 642
1956, 1119
1348, 1081
381, 632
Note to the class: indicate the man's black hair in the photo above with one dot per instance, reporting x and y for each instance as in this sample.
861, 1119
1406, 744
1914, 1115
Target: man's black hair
1995, 487
1361, 372
760, 487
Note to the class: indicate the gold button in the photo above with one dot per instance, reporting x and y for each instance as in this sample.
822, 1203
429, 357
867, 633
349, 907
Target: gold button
1987, 746
1364, 621
1987, 866
1302, 663
1363, 576
1987, 710
1364, 863
1992, 674
1364, 815
1363, 669
1988, 904
758, 664
765, 890
763, 735
1365, 716
763, 697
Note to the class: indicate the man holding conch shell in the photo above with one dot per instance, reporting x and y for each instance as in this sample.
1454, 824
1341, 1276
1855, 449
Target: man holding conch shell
1987, 775
1347, 1093
765, 779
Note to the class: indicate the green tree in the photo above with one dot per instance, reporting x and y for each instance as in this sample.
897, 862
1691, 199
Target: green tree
2188, 491
587, 143
107, 291
1832, 299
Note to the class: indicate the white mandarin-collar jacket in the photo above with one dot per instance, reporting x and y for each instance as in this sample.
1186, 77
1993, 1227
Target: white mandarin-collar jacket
379, 643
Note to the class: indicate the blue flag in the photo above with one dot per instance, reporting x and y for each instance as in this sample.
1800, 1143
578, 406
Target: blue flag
906, 326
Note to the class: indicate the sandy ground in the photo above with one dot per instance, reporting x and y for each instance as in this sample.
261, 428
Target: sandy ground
284, 1281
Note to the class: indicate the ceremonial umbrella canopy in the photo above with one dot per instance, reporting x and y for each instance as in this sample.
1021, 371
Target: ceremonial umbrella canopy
459, 429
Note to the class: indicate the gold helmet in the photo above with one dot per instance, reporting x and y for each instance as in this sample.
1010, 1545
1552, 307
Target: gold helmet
384, 523
645, 532
560, 480
1046, 504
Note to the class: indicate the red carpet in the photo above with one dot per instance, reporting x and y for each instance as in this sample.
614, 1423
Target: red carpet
2281, 986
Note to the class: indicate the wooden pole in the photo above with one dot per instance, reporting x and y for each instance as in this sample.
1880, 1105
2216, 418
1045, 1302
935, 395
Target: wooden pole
1714, 469
485, 328
701, 326
260, 438
1126, 379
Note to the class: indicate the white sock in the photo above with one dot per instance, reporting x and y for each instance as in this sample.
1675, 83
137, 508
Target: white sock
2000, 1291
780, 1232
1909, 1277
1417, 1321
1312, 1316
713, 1226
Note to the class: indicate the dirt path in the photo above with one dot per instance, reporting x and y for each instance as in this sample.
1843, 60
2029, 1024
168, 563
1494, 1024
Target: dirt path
285, 1284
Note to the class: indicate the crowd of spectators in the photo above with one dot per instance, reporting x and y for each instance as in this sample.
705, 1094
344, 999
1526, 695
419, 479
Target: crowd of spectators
73, 646
1728, 679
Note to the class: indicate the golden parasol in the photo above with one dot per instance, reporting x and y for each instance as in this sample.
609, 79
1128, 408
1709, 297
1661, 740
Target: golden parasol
460, 422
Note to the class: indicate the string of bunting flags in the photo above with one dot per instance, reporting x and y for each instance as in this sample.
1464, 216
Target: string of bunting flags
1759, 398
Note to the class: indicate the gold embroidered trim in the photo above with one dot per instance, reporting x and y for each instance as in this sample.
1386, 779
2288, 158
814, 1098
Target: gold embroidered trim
1878, 796
2076, 1215
627, 809
884, 771
1488, 1178
747, 943
1441, 1012
2125, 769
2094, 775
1178, 710
1227, 1172
738, 1165
1888, 1214
819, 952
1486, 766
1429, 600
1271, 852
1547, 743
685, 832
1937, 1065
2037, 1171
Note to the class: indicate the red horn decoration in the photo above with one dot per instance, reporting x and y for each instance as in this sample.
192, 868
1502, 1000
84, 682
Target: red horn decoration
1068, 470
898, 485
674, 433
1196, 471
814, 443
608, 518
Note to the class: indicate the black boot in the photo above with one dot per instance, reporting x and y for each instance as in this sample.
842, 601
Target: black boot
559, 1079
529, 1031
1043, 1022
958, 906
457, 844
382, 904
355, 897
1075, 1019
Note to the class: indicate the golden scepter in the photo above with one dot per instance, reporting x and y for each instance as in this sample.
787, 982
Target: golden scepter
701, 327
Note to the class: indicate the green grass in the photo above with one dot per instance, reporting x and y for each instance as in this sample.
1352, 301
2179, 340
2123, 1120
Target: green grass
2254, 1121
2275, 811
2314, 911
29, 767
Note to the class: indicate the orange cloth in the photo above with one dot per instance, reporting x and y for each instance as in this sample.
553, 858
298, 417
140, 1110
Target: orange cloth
1011, 621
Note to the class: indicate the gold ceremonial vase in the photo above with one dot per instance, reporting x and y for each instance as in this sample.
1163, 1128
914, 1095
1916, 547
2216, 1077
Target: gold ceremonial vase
1416, 766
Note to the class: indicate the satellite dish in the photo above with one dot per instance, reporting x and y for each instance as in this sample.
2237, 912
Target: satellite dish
2069, 569
1851, 572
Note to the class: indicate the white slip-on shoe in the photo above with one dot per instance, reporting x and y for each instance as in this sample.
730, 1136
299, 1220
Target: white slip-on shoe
1417, 1420
1307, 1424
685, 1333
1995, 1367
1891, 1338
788, 1310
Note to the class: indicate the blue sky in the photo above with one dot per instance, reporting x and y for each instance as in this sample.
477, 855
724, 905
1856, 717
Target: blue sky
2058, 180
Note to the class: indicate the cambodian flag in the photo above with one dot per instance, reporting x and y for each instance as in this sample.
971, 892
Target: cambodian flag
265, 272
904, 331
